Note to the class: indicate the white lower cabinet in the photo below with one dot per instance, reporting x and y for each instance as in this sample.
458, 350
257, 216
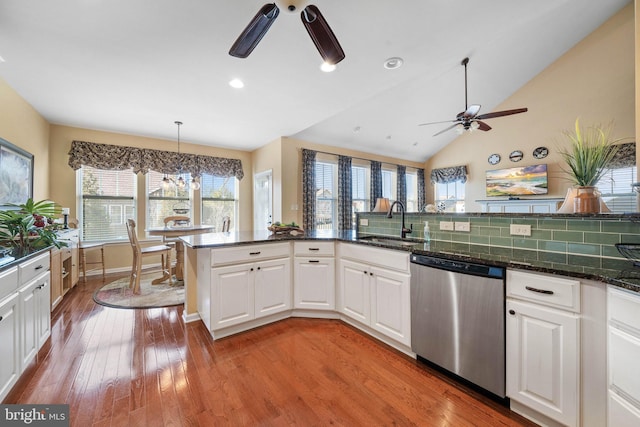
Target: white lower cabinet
543, 345
35, 316
624, 357
10, 347
314, 276
238, 285
373, 293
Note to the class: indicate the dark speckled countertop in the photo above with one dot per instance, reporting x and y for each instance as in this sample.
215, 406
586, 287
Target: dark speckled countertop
628, 278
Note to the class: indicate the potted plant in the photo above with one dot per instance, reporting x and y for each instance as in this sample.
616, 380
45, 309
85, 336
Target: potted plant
587, 157
29, 227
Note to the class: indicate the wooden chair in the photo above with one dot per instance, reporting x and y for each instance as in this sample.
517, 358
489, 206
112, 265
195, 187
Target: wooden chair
140, 252
83, 248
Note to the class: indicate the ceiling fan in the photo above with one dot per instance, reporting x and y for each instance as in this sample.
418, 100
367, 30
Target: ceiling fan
317, 27
469, 118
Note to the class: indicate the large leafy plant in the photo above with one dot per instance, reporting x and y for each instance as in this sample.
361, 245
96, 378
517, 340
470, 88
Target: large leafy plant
29, 226
589, 153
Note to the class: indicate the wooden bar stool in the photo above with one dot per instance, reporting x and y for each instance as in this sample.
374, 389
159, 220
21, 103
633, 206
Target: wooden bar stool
84, 247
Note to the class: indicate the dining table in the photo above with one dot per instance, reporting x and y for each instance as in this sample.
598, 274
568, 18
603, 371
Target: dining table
171, 234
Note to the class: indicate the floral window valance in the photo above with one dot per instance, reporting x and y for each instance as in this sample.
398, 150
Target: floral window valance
625, 156
447, 175
115, 157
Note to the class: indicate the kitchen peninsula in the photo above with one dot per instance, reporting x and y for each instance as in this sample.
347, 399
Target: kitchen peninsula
576, 254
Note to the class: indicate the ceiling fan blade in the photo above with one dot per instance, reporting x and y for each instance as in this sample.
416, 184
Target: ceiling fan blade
253, 33
501, 113
321, 34
436, 123
446, 129
483, 125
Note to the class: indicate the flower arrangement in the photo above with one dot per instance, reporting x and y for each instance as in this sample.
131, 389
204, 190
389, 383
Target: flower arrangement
30, 226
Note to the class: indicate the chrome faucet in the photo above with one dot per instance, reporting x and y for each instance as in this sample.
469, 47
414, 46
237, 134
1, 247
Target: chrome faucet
404, 230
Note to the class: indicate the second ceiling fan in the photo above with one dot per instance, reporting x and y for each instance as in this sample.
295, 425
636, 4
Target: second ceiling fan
317, 27
469, 118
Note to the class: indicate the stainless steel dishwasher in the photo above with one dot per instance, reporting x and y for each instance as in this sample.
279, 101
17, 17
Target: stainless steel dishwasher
457, 319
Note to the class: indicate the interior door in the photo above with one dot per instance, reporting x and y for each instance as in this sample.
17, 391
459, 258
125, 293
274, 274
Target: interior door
262, 200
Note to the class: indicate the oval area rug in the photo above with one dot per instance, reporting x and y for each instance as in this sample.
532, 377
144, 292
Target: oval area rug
118, 295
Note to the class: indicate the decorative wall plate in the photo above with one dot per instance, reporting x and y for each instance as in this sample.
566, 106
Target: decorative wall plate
540, 152
516, 156
494, 159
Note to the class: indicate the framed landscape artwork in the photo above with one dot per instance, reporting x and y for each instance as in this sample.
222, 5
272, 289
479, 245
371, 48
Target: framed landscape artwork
16, 174
520, 181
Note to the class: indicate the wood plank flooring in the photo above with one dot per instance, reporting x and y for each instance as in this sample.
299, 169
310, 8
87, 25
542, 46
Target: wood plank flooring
118, 367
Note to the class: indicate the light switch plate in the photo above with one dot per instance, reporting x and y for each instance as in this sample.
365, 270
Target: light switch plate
446, 225
364, 221
462, 226
520, 229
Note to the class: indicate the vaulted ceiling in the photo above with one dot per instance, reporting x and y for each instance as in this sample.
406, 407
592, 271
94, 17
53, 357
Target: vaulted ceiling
135, 67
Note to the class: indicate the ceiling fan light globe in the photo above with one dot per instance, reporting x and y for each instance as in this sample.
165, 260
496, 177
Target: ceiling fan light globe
195, 184
460, 129
475, 125
327, 67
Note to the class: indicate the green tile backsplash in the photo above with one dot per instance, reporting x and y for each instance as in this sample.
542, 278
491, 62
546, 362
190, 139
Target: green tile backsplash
582, 242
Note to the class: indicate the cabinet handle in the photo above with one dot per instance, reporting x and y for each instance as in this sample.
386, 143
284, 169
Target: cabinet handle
39, 267
371, 273
254, 253
314, 249
251, 269
365, 272
512, 312
258, 268
40, 286
314, 260
1, 318
540, 291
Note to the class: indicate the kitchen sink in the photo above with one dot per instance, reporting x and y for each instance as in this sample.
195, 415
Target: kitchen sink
391, 242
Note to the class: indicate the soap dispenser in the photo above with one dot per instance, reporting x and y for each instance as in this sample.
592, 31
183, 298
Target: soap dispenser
427, 233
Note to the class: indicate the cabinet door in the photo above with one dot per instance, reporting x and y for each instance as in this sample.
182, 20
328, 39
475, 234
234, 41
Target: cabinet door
232, 297
43, 311
542, 360
10, 347
354, 291
28, 323
75, 259
391, 304
314, 283
272, 286
56, 278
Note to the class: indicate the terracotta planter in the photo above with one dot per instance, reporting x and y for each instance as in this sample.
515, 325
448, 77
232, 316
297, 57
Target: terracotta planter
587, 200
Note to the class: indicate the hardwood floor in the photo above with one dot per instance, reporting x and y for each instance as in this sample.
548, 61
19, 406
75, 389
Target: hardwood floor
118, 367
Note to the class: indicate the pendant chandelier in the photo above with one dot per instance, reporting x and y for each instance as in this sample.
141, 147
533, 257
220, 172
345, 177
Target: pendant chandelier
180, 182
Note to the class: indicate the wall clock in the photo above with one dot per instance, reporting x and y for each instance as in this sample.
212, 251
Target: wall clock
540, 152
516, 156
494, 159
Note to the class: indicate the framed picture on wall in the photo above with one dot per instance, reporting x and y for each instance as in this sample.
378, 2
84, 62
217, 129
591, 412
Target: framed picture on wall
16, 174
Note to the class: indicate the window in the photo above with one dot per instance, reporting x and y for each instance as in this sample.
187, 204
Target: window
451, 194
359, 190
326, 195
219, 199
389, 188
616, 191
107, 200
412, 191
162, 198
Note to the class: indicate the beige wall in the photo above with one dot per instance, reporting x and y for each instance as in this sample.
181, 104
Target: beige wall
23, 126
594, 81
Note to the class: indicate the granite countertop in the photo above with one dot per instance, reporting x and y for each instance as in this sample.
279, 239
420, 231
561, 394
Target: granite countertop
627, 278
6, 262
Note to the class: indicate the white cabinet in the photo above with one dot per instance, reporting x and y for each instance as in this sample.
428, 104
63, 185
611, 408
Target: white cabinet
245, 283
10, 339
543, 345
25, 317
624, 354
374, 289
314, 276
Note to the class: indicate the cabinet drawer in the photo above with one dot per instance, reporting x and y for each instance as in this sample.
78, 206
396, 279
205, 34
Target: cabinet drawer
543, 289
311, 248
386, 258
623, 309
624, 371
249, 253
33, 267
8, 282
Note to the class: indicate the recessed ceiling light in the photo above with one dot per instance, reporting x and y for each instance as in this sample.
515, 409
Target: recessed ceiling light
356, 129
236, 83
393, 63
327, 68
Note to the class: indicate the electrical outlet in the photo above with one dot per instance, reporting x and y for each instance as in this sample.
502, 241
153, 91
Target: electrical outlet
520, 230
446, 225
364, 221
462, 226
